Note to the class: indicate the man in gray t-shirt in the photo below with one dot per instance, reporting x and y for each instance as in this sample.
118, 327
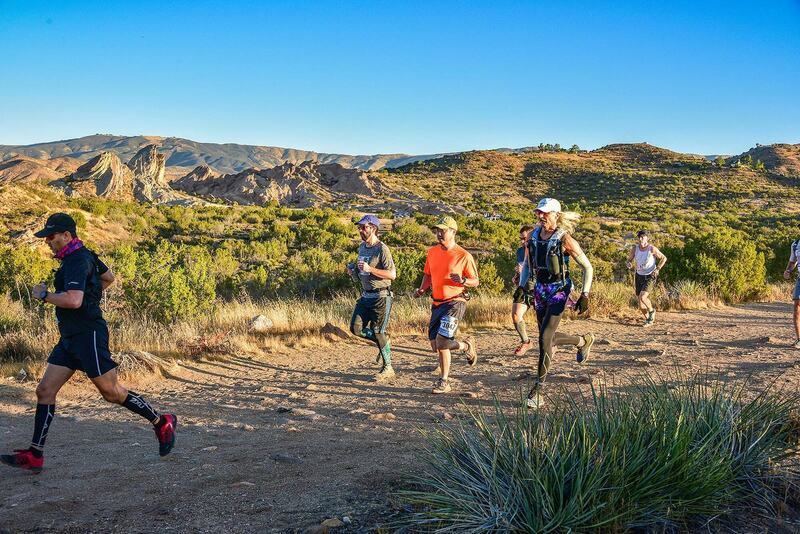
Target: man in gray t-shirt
377, 256
375, 271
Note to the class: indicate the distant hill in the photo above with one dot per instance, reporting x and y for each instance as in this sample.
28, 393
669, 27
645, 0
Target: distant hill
183, 155
25, 169
642, 177
637, 175
782, 159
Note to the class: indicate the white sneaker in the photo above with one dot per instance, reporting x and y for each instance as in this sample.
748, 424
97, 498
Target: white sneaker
534, 400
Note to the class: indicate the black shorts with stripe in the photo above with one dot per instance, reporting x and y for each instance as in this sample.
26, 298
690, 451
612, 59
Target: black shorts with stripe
644, 282
374, 313
87, 352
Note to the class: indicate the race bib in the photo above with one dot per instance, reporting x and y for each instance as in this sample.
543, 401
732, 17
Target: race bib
448, 326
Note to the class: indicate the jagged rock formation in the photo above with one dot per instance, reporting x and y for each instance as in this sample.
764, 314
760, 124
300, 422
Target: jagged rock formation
142, 179
149, 182
191, 181
304, 185
24, 169
104, 176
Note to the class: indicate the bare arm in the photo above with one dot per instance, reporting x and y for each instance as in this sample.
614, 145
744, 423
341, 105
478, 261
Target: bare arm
466, 282
106, 279
787, 274
662, 259
390, 274
631, 256
72, 299
426, 284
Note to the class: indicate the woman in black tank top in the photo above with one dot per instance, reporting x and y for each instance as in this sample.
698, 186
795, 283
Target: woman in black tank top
549, 251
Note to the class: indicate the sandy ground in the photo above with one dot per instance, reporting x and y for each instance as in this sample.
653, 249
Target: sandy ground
281, 441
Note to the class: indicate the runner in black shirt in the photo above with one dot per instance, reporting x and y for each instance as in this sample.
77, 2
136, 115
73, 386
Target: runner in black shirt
79, 283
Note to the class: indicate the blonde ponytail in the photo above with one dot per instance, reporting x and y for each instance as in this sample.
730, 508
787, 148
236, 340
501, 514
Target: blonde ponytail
568, 221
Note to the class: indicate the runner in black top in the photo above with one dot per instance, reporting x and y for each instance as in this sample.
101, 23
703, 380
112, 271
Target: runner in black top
79, 283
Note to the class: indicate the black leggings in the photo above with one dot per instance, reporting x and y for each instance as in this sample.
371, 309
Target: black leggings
549, 338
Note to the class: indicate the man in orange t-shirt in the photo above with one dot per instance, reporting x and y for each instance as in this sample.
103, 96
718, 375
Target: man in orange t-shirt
449, 271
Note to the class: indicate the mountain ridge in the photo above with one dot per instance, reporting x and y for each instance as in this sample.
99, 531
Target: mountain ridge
186, 154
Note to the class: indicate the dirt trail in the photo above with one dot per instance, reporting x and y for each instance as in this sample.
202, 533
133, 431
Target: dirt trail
282, 441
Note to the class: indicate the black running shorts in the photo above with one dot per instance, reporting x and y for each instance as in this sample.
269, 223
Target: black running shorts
87, 352
523, 296
445, 318
374, 313
645, 282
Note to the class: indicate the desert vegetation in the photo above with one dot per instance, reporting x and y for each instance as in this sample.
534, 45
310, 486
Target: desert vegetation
673, 452
191, 279
188, 266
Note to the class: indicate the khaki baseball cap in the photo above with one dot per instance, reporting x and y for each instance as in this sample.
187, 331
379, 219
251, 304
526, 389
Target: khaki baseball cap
444, 222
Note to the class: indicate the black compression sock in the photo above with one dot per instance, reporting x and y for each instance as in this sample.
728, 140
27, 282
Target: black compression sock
41, 424
37, 453
135, 403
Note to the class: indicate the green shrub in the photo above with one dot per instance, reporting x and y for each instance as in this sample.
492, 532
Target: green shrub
80, 220
22, 267
725, 260
409, 232
312, 272
409, 265
490, 280
168, 283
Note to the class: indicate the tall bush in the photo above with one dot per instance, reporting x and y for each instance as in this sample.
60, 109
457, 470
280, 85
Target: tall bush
21, 267
724, 260
169, 282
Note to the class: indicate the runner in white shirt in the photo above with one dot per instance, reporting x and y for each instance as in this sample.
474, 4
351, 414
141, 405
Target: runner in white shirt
794, 257
643, 258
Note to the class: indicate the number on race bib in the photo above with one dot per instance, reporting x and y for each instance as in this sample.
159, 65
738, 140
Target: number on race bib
448, 326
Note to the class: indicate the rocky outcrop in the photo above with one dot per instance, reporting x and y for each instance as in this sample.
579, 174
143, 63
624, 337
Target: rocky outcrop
202, 174
104, 176
142, 178
149, 182
304, 185
340, 179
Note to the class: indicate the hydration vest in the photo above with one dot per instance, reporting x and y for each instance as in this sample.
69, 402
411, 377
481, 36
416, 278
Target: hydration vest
555, 265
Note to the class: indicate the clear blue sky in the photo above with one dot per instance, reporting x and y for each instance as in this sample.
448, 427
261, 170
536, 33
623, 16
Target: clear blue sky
415, 77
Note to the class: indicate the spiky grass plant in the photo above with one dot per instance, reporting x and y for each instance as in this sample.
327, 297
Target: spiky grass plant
664, 453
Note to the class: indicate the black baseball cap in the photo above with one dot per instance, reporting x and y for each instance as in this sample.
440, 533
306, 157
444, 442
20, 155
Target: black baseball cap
57, 222
640, 233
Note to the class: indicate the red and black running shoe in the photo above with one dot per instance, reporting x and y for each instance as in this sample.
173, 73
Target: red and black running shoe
24, 459
165, 432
